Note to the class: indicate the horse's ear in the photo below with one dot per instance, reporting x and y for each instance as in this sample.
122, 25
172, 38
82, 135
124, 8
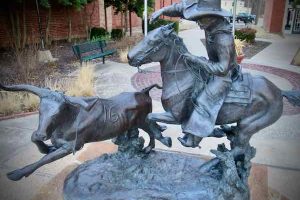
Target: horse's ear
168, 29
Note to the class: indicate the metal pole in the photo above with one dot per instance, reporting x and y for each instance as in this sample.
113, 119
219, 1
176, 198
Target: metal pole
234, 16
145, 18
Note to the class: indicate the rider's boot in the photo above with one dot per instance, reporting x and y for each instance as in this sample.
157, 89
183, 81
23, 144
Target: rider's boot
189, 140
184, 139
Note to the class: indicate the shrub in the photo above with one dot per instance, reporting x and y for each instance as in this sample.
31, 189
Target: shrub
98, 33
123, 55
239, 45
247, 34
83, 85
116, 34
16, 102
161, 22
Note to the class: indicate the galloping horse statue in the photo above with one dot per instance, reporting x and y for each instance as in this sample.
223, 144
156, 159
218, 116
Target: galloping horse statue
181, 80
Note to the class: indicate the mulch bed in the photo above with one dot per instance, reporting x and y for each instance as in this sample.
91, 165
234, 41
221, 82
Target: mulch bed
251, 50
12, 73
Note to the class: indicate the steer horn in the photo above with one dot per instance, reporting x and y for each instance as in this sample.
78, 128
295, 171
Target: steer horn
27, 88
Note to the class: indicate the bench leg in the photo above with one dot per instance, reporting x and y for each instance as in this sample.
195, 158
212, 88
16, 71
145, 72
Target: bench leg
80, 63
103, 60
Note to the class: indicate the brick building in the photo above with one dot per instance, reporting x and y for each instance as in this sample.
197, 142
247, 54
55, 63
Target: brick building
21, 21
281, 17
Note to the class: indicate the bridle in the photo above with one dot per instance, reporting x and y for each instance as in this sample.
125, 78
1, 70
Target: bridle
149, 52
181, 56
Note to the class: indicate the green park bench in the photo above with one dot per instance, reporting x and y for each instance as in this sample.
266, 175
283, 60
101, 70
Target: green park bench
92, 50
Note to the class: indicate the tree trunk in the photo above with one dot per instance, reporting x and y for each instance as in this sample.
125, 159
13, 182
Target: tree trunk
18, 30
90, 17
83, 17
14, 22
122, 21
130, 24
126, 21
105, 17
48, 24
24, 40
69, 25
163, 16
13, 29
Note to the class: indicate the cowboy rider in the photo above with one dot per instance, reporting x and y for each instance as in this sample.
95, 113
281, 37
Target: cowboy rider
221, 63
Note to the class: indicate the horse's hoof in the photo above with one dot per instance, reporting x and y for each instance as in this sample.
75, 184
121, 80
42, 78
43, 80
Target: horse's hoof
218, 133
167, 141
15, 175
183, 142
51, 149
162, 128
147, 150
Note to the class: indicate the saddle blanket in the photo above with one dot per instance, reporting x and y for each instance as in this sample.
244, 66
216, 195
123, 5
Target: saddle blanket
241, 90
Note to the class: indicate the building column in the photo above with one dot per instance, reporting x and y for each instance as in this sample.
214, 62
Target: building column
101, 14
109, 14
273, 15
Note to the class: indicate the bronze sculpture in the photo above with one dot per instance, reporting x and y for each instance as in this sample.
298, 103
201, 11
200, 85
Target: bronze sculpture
197, 94
221, 65
253, 102
70, 122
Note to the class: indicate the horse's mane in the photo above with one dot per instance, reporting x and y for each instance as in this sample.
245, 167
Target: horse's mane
199, 74
178, 42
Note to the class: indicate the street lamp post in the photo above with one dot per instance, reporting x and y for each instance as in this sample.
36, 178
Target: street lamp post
234, 16
145, 18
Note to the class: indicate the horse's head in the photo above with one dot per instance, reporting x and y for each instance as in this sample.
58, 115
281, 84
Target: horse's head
153, 47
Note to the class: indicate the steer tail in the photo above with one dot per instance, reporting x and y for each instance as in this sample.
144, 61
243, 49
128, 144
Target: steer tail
147, 89
292, 96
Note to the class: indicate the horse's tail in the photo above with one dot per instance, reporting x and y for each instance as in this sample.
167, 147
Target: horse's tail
147, 89
292, 96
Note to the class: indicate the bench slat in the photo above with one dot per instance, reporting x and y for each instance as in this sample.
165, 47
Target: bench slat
92, 50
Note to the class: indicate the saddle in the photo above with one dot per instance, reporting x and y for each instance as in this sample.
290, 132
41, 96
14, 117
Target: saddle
241, 90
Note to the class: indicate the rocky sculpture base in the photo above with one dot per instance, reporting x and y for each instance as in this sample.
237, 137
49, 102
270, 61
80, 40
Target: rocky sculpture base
131, 174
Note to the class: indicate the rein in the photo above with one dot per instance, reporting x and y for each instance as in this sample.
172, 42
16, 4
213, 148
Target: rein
181, 55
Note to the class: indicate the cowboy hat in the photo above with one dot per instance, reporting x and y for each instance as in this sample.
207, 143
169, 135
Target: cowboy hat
202, 8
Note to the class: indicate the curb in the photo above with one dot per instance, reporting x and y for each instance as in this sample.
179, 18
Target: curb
18, 115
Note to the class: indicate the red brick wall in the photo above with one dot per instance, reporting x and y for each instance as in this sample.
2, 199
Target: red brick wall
116, 20
273, 16
163, 3
4, 35
58, 27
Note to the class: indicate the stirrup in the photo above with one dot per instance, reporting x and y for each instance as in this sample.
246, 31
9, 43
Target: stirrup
184, 143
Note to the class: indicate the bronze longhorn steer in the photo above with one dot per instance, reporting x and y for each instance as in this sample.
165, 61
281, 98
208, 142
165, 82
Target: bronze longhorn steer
70, 122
